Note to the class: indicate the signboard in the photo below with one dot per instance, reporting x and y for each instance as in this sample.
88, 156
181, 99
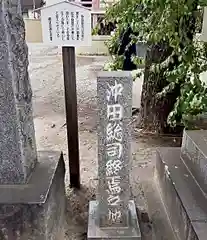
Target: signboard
66, 24
204, 30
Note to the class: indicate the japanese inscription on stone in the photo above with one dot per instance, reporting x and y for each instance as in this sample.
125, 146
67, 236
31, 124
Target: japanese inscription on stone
113, 215
114, 134
114, 150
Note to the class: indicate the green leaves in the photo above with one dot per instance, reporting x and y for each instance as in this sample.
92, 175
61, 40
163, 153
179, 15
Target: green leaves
202, 3
174, 22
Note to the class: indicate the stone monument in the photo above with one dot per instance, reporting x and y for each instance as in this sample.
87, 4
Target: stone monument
32, 199
181, 174
113, 215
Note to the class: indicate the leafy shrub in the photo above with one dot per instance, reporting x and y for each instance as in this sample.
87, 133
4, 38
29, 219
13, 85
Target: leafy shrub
176, 23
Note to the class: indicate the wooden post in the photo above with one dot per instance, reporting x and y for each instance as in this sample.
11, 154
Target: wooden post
59, 28
69, 67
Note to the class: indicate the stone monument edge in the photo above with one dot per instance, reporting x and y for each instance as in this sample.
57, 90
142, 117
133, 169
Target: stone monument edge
114, 74
31, 202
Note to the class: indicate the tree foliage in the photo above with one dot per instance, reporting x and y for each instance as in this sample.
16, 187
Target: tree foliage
175, 23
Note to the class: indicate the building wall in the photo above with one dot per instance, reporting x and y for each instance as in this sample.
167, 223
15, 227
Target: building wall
204, 30
30, 14
33, 15
33, 29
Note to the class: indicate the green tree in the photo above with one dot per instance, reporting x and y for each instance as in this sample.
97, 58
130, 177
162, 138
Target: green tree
173, 93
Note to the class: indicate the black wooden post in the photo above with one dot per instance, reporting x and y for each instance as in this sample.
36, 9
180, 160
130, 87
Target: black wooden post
69, 69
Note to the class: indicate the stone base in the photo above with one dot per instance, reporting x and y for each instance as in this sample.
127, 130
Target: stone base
35, 211
183, 199
194, 154
95, 232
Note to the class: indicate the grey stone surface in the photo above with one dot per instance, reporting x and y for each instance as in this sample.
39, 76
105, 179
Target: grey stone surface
119, 170
114, 90
17, 139
124, 233
141, 50
36, 211
194, 153
184, 201
32, 194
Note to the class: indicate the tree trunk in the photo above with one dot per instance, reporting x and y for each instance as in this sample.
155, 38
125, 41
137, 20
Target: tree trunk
154, 111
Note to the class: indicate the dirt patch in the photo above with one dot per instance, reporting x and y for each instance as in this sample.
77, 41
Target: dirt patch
87, 118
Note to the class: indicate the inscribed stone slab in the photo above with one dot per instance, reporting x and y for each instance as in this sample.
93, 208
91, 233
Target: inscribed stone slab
113, 215
114, 113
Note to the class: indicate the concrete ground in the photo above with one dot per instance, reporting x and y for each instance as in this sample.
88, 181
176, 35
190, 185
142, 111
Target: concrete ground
49, 116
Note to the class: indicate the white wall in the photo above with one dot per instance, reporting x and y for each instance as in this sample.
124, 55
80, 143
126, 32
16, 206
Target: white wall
204, 30
204, 77
33, 15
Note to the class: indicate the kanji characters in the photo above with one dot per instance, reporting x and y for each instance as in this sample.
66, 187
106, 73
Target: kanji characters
82, 28
62, 25
77, 26
114, 150
114, 215
50, 27
114, 185
114, 200
57, 24
72, 25
114, 91
114, 132
113, 167
115, 112
67, 24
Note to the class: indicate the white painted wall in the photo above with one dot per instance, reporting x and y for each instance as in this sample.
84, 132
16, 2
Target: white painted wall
33, 15
51, 2
204, 30
204, 77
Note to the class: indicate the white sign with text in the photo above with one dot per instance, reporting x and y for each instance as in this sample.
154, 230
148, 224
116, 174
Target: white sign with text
66, 24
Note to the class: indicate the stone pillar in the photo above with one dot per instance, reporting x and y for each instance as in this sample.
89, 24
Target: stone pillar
28, 187
113, 215
17, 139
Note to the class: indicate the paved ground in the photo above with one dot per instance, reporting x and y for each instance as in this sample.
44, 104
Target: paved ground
49, 116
